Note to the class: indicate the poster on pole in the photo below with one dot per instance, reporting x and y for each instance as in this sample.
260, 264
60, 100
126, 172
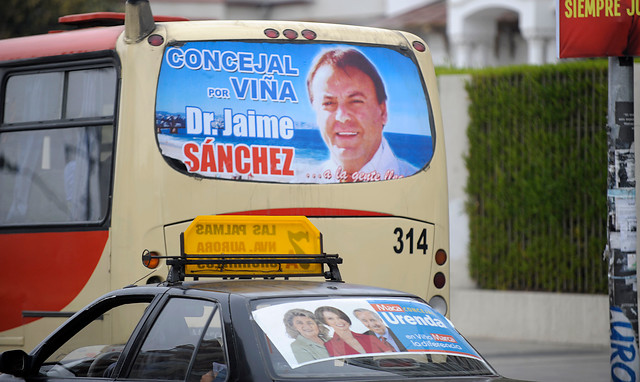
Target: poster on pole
598, 28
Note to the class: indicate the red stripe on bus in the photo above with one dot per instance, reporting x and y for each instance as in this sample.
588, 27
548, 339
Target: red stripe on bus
107, 17
55, 44
45, 271
310, 212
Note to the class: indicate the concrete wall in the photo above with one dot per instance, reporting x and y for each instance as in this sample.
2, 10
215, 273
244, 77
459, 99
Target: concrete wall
545, 317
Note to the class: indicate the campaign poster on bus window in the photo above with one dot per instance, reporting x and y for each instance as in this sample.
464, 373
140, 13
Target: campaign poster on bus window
292, 113
312, 331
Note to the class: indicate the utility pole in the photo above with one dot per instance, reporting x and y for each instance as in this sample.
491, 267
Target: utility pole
622, 223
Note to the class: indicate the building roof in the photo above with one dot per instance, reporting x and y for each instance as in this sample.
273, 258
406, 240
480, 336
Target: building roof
433, 14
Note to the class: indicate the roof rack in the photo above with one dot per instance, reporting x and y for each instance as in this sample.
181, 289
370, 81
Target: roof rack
251, 266
235, 246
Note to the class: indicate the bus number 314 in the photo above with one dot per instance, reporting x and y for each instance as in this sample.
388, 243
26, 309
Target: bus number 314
421, 244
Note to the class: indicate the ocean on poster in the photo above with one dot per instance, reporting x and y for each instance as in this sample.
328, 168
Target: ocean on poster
310, 149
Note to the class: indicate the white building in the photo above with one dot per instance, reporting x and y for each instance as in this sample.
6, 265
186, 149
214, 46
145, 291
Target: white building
460, 33
501, 32
478, 33
358, 12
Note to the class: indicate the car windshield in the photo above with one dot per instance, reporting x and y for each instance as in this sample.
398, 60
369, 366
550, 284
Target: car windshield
340, 338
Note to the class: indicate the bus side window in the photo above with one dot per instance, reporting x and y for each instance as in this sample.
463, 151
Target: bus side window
91, 93
33, 97
59, 174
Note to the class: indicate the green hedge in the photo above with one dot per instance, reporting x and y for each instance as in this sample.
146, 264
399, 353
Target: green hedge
537, 181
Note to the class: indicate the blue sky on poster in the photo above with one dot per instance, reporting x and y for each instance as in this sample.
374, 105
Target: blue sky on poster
177, 88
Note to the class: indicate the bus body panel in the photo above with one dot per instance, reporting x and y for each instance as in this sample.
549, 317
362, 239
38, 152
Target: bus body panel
152, 202
56, 44
45, 278
178, 198
42, 277
41, 254
378, 249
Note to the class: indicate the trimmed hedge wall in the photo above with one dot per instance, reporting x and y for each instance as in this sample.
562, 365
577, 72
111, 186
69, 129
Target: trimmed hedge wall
537, 181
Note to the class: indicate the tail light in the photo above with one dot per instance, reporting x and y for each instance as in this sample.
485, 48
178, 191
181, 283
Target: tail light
150, 259
290, 33
441, 257
439, 280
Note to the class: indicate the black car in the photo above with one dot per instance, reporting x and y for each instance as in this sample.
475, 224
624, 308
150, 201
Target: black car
239, 328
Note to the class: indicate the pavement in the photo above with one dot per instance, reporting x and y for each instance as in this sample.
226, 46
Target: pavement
541, 362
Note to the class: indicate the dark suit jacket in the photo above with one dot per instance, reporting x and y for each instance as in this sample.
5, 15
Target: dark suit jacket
397, 341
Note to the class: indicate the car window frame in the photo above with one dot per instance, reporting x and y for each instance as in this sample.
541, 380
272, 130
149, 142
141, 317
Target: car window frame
88, 315
133, 347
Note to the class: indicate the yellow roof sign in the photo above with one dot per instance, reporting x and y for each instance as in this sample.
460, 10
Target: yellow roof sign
251, 238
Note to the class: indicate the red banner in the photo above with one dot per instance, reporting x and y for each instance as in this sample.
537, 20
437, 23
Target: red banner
598, 28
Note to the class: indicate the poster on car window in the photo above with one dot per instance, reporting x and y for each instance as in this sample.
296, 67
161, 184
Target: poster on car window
292, 113
317, 330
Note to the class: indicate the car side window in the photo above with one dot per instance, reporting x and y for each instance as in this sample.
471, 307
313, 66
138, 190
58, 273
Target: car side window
183, 326
94, 350
210, 362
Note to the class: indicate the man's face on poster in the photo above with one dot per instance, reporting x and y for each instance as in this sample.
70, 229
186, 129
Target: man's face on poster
372, 322
348, 113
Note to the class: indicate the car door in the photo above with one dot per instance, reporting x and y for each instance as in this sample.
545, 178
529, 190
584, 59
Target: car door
184, 342
89, 345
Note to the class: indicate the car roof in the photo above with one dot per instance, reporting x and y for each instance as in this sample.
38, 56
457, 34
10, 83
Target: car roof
253, 289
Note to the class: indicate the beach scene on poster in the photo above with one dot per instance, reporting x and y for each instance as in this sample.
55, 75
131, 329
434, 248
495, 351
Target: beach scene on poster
317, 330
292, 113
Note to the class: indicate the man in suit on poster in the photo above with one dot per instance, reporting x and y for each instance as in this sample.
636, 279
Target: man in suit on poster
377, 328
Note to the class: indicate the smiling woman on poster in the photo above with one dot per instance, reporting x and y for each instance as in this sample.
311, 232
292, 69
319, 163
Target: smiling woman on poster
309, 334
350, 101
345, 341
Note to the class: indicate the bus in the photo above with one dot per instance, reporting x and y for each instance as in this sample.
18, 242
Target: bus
116, 134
